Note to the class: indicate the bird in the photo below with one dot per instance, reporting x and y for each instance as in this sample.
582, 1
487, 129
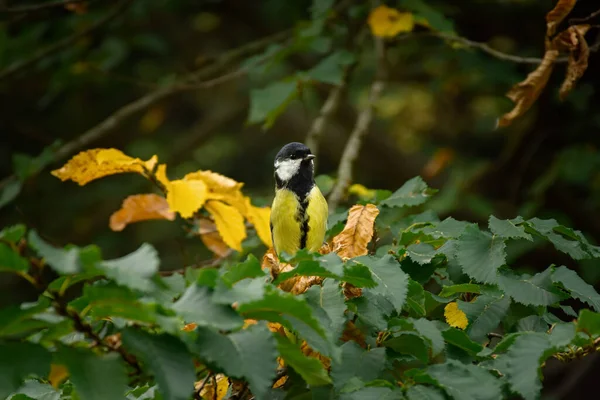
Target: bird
299, 210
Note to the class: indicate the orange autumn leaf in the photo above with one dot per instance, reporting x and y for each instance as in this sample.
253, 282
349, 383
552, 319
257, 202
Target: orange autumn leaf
97, 163
436, 164
579, 53
388, 22
58, 373
140, 207
525, 93
557, 15
455, 316
229, 221
211, 238
354, 239
189, 327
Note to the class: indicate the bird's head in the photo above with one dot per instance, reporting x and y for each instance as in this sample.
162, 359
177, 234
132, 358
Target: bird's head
294, 161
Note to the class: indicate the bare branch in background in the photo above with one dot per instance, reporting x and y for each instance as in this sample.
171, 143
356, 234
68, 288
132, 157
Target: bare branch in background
113, 120
361, 128
38, 7
63, 43
330, 106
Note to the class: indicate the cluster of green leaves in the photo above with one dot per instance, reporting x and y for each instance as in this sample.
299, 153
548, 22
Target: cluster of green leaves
398, 330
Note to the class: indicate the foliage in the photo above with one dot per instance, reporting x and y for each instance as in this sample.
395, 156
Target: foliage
405, 310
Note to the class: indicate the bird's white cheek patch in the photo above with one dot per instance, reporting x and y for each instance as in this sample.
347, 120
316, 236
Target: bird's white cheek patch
287, 168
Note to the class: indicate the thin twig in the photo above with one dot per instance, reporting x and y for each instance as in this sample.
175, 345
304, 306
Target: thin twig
38, 7
361, 128
584, 19
197, 392
329, 108
85, 328
63, 43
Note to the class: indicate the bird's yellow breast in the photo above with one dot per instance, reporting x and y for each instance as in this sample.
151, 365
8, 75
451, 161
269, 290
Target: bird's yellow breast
290, 221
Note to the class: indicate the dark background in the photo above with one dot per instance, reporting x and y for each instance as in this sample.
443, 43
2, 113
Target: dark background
440, 104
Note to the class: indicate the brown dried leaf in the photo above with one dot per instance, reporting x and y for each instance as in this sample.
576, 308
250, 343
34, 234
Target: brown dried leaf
354, 239
209, 392
557, 14
211, 238
438, 162
525, 93
309, 352
140, 207
578, 56
351, 291
351, 332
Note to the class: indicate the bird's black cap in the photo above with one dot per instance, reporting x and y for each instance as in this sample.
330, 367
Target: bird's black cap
292, 151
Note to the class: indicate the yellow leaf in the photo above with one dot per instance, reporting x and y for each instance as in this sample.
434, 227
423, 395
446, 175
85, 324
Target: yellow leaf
455, 316
215, 182
140, 207
353, 240
211, 238
260, 218
229, 221
184, 196
388, 22
208, 391
361, 191
97, 163
58, 373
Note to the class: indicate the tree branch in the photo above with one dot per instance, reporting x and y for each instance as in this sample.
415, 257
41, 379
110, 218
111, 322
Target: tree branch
38, 7
361, 128
330, 106
63, 43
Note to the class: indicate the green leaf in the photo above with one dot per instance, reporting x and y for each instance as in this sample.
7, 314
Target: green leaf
62, 261
532, 323
522, 363
480, 254
484, 314
466, 381
135, 269
392, 282
429, 331
268, 103
168, 360
536, 290
331, 69
38, 391
10, 192
365, 365
451, 290
460, 339
196, 305
420, 273
327, 267
309, 368
277, 305
421, 253
329, 300
410, 343
18, 361
413, 193
243, 291
13, 233
415, 299
248, 269
374, 393
562, 334
448, 229
17, 320
95, 377
10, 260
578, 288
572, 244
421, 392
371, 310
589, 322
508, 228
250, 353
106, 299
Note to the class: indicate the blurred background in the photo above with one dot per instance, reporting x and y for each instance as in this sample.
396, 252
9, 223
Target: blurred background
65, 69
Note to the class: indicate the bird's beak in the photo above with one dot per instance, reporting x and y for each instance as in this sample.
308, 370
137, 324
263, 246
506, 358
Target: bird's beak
309, 156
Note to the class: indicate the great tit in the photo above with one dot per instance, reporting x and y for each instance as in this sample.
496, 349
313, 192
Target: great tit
299, 210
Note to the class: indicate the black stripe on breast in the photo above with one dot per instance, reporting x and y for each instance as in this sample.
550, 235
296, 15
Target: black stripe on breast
304, 217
